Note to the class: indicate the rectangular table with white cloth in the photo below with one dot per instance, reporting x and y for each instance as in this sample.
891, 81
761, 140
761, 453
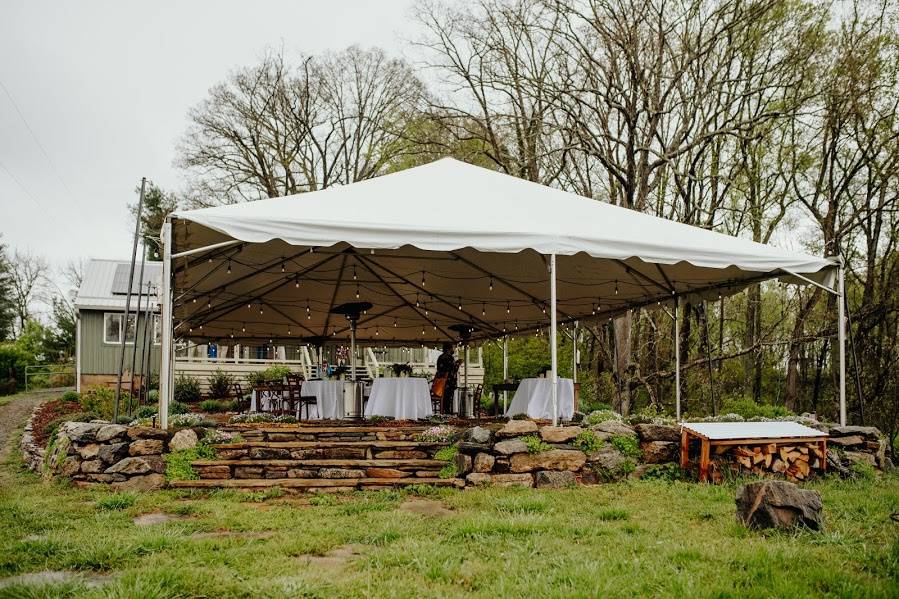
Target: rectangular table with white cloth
400, 398
534, 398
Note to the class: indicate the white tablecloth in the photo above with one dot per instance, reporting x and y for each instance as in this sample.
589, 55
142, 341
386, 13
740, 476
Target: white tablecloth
329, 396
534, 398
400, 398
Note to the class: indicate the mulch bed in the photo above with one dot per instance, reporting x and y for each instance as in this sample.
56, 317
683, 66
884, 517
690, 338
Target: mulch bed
48, 412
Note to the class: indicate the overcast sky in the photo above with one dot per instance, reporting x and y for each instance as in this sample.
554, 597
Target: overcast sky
105, 88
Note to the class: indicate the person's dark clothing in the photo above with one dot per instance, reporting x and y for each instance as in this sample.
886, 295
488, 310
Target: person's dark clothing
446, 366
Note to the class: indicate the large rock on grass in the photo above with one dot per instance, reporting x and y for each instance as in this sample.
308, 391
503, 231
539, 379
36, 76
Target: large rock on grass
514, 428
778, 504
608, 458
463, 464
147, 482
483, 462
556, 459
132, 465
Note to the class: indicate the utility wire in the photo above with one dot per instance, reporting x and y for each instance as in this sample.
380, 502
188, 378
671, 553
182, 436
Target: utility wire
30, 195
36, 140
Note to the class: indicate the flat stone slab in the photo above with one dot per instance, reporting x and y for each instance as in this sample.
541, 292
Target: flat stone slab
50, 577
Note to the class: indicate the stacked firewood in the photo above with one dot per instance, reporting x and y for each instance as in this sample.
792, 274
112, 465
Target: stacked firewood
794, 461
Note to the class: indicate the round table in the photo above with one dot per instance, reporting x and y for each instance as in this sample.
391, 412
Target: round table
534, 398
400, 398
329, 398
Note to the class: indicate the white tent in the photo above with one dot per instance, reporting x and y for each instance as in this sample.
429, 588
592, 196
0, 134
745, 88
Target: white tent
437, 245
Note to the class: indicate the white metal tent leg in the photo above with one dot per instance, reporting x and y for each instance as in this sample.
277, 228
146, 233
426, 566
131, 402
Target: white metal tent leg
554, 353
841, 334
677, 357
165, 362
505, 370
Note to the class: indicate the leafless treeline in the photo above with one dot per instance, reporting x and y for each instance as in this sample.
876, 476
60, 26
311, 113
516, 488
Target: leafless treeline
770, 119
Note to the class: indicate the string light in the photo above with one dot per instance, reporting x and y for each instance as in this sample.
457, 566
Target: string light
249, 306
308, 311
195, 300
508, 307
296, 282
394, 323
483, 309
260, 308
288, 330
354, 272
417, 301
229, 267
491, 282
543, 307
282, 267
616, 286
594, 309
460, 304
357, 291
422, 278
209, 303
243, 327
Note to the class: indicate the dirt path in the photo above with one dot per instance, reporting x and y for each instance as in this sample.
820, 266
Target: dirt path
14, 414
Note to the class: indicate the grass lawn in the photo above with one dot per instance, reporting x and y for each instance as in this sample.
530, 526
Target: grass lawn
619, 540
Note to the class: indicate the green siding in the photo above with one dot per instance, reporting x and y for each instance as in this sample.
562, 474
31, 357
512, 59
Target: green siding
98, 357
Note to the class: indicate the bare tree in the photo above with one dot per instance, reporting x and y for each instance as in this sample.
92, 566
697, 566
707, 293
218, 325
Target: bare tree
279, 129
28, 281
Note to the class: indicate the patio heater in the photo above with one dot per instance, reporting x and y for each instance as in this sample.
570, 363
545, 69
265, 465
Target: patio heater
464, 331
352, 311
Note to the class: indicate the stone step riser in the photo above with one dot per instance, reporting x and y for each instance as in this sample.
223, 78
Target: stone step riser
226, 472
327, 453
316, 485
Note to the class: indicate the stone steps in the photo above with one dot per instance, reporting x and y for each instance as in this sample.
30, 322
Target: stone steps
301, 484
372, 463
319, 430
375, 444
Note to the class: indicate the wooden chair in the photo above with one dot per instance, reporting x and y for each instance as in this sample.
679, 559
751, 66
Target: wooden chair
438, 386
476, 400
275, 395
304, 401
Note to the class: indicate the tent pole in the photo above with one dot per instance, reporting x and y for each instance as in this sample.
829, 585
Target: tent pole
505, 369
124, 328
841, 333
165, 359
574, 354
677, 357
554, 354
464, 407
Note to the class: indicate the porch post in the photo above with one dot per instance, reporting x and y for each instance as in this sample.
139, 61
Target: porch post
574, 353
841, 334
165, 360
554, 354
505, 369
677, 357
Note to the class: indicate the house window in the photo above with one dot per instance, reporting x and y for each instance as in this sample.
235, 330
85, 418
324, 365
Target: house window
112, 328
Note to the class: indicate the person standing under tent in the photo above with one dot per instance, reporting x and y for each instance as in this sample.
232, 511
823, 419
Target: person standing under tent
447, 367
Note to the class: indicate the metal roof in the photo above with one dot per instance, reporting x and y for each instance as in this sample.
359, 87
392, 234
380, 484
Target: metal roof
105, 285
718, 431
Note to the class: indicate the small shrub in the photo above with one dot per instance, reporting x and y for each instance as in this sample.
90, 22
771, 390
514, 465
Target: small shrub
666, 472
519, 417
260, 418
215, 405
588, 442
153, 396
448, 471
187, 389
145, 412
863, 471
176, 407
748, 409
598, 416
447, 454
99, 400
116, 501
627, 467
378, 419
629, 446
69, 396
220, 383
177, 463
536, 444
322, 500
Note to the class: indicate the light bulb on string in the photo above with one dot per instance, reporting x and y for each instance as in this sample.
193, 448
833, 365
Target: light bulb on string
288, 330
296, 282
594, 309
209, 303
354, 272
357, 291
460, 304
616, 286
491, 282
260, 308
243, 328
249, 306
282, 267
394, 323
483, 309
195, 300
508, 307
229, 267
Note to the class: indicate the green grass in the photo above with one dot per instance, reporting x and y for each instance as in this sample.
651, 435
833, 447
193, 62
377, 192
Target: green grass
655, 538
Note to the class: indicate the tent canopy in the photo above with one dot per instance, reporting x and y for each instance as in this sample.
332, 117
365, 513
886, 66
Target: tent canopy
442, 244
